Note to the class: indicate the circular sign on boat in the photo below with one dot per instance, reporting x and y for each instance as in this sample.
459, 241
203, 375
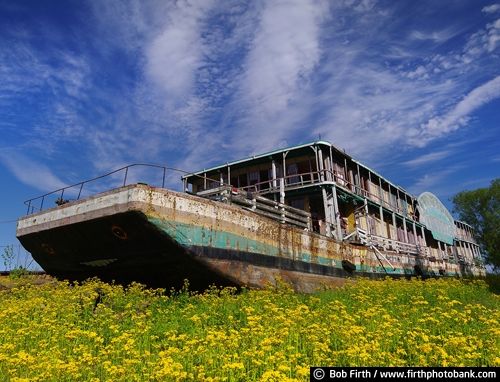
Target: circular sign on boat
436, 218
47, 248
119, 233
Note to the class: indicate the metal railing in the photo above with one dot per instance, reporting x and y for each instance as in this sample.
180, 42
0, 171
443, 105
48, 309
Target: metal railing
389, 244
37, 204
292, 181
260, 205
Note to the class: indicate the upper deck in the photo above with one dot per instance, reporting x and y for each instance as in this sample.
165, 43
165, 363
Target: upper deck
342, 197
300, 170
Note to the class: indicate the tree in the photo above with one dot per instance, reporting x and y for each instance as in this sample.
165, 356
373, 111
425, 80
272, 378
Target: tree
481, 210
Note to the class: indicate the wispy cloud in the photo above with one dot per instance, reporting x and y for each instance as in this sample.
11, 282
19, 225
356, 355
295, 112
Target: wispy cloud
283, 54
30, 172
460, 114
191, 83
438, 179
491, 8
435, 36
174, 56
428, 158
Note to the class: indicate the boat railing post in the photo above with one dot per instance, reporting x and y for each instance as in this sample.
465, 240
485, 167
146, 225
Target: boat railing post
125, 177
282, 191
80, 192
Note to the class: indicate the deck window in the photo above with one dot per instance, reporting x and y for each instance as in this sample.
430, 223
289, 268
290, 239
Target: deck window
242, 180
234, 180
304, 169
339, 173
291, 169
253, 178
297, 203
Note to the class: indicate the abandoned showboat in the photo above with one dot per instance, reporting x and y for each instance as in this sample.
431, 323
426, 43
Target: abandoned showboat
309, 214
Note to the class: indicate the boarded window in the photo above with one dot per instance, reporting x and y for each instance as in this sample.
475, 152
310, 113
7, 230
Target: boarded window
263, 176
291, 169
253, 178
234, 180
242, 180
297, 203
304, 169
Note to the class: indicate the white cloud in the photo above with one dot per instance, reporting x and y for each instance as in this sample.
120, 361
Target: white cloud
437, 37
283, 55
177, 52
360, 5
30, 172
427, 158
216, 75
491, 8
493, 35
459, 115
419, 73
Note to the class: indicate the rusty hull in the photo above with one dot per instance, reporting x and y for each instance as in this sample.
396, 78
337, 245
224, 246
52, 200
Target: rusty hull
160, 238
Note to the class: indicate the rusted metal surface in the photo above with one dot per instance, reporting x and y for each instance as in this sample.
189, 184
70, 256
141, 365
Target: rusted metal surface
168, 235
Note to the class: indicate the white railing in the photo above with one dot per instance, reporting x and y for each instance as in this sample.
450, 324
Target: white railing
260, 205
389, 244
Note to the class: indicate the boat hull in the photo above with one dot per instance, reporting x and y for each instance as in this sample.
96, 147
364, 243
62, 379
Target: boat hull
161, 238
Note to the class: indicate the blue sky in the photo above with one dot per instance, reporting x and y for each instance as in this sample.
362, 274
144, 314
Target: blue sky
409, 88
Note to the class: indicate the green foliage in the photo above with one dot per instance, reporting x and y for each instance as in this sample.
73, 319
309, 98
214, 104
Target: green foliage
16, 273
493, 281
8, 257
481, 210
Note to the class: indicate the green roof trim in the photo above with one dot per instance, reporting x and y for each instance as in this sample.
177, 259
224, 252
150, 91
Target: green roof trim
260, 156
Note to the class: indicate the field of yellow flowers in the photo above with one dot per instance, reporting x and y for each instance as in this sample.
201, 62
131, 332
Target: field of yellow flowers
100, 332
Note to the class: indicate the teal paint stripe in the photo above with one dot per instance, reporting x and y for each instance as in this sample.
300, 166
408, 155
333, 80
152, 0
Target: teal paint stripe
338, 264
186, 234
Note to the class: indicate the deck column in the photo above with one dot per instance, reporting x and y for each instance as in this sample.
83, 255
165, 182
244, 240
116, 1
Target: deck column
283, 180
415, 233
423, 236
406, 230
394, 227
381, 211
321, 166
368, 225
336, 212
273, 173
470, 249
